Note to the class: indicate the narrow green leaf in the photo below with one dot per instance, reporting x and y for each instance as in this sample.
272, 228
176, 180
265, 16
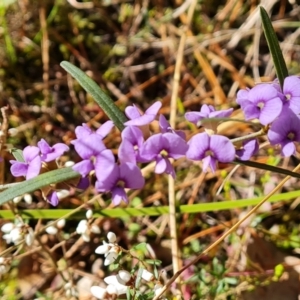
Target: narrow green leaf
261, 166
276, 53
36, 183
50, 214
105, 102
18, 154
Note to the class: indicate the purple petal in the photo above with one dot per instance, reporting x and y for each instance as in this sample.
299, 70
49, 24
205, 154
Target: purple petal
119, 195
52, 198
83, 183
152, 147
34, 168
221, 113
56, 151
141, 121
193, 117
132, 112
163, 124
107, 172
174, 145
163, 165
242, 95
249, 149
105, 128
126, 152
44, 146
18, 168
291, 90
288, 148
222, 148
84, 167
270, 111
211, 162
154, 108
30, 152
132, 176
88, 146
198, 145
83, 131
134, 135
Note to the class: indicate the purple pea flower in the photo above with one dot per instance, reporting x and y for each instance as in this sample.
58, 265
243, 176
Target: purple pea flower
160, 147
285, 131
51, 153
165, 126
249, 148
31, 166
115, 178
88, 145
53, 198
210, 149
290, 94
207, 112
132, 141
261, 102
137, 119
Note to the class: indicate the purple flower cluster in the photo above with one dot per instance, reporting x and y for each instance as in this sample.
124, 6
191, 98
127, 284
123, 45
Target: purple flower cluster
277, 107
34, 158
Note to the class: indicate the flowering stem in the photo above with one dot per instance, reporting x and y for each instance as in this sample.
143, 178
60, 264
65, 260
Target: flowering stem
249, 136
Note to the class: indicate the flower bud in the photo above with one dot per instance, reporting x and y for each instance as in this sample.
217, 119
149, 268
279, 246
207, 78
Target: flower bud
111, 237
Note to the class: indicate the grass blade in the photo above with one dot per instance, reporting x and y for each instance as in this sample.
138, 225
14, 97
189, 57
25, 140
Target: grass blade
104, 101
276, 53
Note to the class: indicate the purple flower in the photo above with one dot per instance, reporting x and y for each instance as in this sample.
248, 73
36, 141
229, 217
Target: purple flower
88, 145
165, 126
262, 102
53, 198
206, 112
249, 148
115, 178
210, 149
105, 128
291, 93
137, 119
285, 131
51, 153
160, 147
132, 141
31, 166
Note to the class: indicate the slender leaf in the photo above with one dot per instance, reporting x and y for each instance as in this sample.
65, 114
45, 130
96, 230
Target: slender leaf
261, 166
146, 211
105, 102
36, 183
276, 53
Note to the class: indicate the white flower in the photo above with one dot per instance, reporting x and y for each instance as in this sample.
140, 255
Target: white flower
16, 235
82, 227
110, 258
157, 289
8, 227
89, 214
124, 275
3, 266
61, 223
111, 237
115, 285
146, 275
62, 194
29, 237
95, 228
98, 292
51, 230
27, 198
103, 249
